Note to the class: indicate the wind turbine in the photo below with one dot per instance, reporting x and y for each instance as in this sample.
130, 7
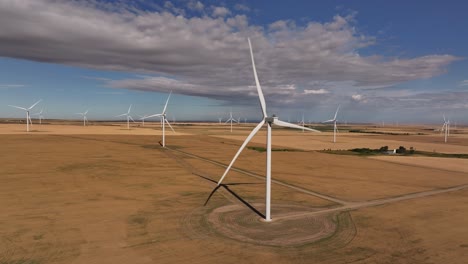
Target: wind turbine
128, 117
163, 121
84, 117
28, 116
142, 118
40, 116
302, 123
446, 128
335, 128
220, 119
230, 119
269, 120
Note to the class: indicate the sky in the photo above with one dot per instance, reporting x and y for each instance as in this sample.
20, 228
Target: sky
381, 61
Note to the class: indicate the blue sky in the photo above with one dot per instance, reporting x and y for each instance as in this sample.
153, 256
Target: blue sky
392, 61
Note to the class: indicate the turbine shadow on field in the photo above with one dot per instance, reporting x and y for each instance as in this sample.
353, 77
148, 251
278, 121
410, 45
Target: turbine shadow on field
226, 187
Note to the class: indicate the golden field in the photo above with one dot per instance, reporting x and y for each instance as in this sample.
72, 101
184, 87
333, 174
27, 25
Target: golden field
105, 194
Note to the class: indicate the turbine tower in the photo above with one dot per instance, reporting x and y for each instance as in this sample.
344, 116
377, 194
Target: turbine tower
128, 117
84, 117
446, 128
335, 128
269, 120
28, 116
302, 123
164, 121
40, 116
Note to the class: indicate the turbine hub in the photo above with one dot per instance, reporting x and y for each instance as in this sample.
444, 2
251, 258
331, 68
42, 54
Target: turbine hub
270, 119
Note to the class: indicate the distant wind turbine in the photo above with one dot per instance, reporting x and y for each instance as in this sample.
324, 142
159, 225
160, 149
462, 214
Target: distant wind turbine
28, 116
164, 121
84, 117
446, 128
230, 119
335, 128
269, 120
129, 117
40, 116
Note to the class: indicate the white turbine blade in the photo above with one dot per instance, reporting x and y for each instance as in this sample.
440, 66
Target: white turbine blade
78, 113
247, 140
22, 108
227, 120
34, 104
121, 115
159, 115
286, 124
86, 112
259, 88
129, 109
329, 121
169, 125
131, 119
444, 119
167, 101
336, 113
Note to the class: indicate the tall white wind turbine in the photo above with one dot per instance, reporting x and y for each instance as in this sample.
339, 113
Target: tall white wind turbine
269, 120
28, 116
129, 117
446, 128
85, 119
164, 121
40, 116
335, 128
230, 119
302, 123
220, 119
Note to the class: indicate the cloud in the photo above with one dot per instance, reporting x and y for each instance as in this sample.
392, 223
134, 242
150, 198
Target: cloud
241, 7
220, 11
464, 83
205, 56
357, 97
195, 5
11, 85
319, 91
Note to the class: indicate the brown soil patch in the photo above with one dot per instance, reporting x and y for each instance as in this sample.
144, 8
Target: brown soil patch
235, 222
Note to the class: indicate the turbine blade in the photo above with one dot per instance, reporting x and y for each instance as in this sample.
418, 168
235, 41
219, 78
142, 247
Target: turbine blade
257, 83
22, 108
158, 115
167, 101
121, 115
34, 104
254, 131
286, 124
336, 113
129, 109
169, 125
131, 119
329, 121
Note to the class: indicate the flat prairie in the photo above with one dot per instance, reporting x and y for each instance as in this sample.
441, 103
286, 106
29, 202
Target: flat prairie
105, 194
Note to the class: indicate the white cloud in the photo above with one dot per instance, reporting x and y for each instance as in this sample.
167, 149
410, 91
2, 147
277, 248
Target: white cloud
357, 97
11, 85
319, 91
201, 55
195, 5
241, 7
219, 11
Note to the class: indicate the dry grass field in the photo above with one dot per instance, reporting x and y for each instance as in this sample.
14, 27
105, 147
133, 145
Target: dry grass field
104, 194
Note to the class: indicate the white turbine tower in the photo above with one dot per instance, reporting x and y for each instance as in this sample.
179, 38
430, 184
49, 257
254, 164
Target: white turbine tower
335, 128
142, 118
128, 117
220, 119
269, 120
302, 123
164, 121
446, 128
84, 117
28, 116
40, 116
230, 119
